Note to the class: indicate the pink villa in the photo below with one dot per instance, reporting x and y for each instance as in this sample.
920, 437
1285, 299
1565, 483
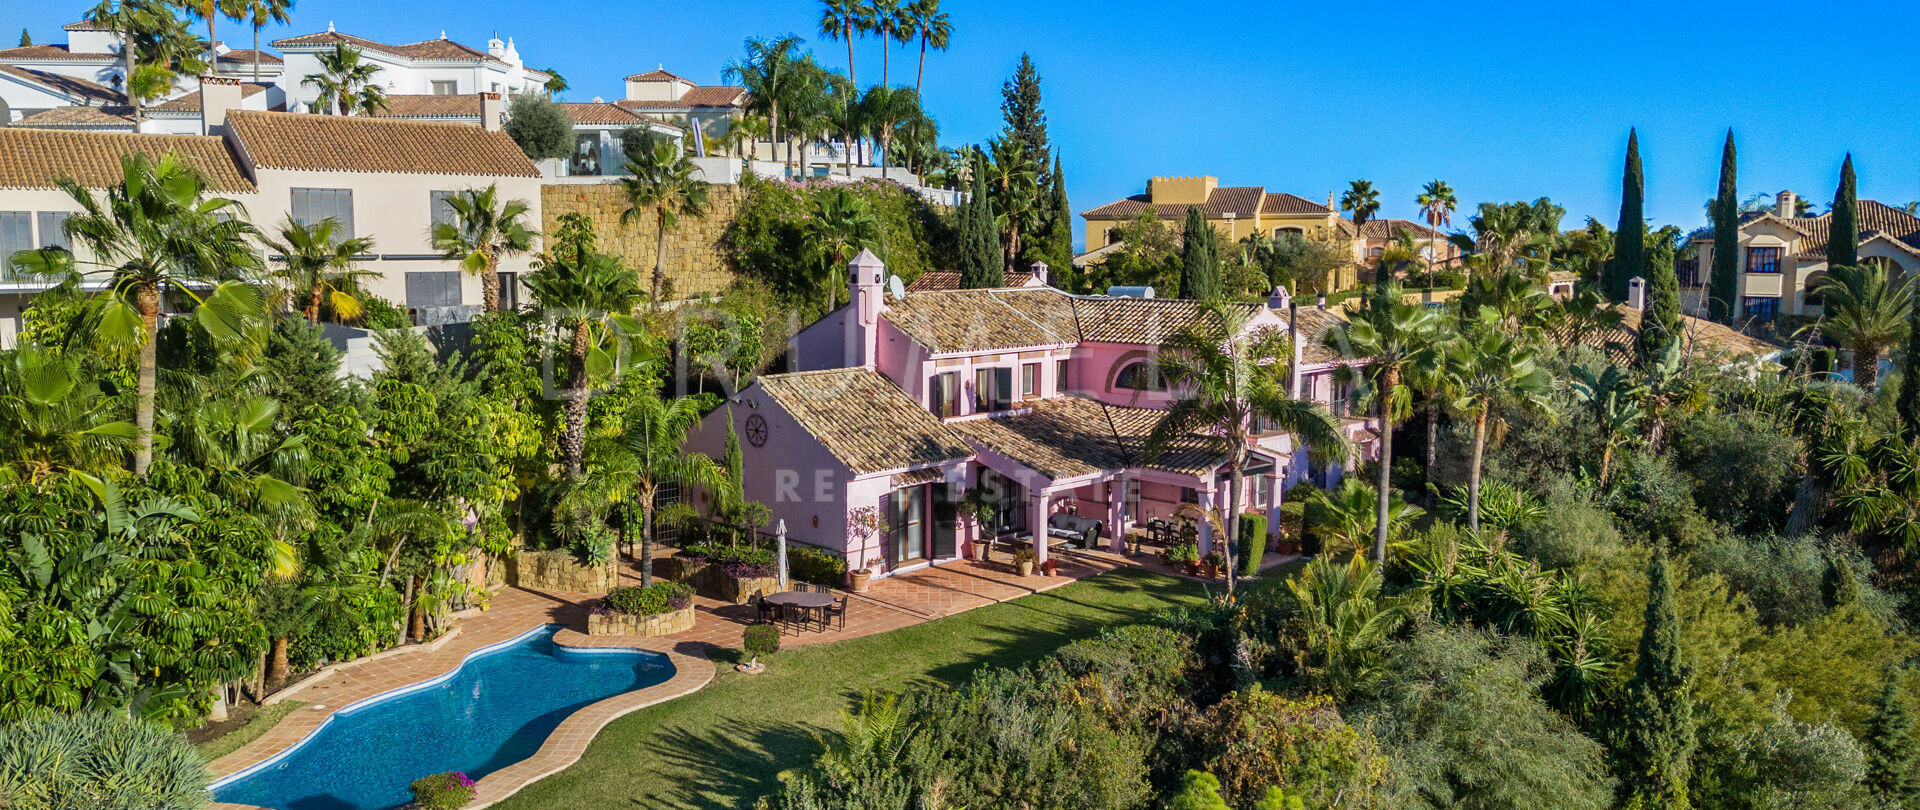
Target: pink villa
1040, 399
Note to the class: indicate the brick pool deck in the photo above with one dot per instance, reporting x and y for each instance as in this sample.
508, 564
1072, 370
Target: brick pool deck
891, 603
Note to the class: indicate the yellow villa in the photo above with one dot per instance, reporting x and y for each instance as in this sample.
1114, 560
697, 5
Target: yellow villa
1237, 211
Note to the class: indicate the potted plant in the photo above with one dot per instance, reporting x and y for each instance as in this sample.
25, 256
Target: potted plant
443, 791
1210, 565
1182, 556
758, 640
862, 525
1050, 566
977, 509
1023, 561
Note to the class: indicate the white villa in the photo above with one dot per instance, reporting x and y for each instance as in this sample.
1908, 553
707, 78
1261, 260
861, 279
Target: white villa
439, 67
78, 85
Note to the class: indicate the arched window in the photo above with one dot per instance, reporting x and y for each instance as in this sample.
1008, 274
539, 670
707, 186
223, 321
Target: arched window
1278, 231
1813, 298
1140, 376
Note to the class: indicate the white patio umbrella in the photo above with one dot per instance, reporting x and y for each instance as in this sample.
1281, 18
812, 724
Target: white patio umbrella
780, 540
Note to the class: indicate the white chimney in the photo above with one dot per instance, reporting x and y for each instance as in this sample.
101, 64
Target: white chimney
1637, 293
1041, 272
1786, 205
1320, 303
218, 96
490, 108
1280, 299
495, 48
866, 275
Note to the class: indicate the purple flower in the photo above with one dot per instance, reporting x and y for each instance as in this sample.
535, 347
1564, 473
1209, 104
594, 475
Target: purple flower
463, 779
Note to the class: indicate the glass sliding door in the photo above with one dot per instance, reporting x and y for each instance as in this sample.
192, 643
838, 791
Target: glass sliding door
908, 530
946, 522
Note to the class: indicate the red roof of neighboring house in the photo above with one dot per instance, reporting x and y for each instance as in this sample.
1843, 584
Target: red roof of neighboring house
50, 53
717, 95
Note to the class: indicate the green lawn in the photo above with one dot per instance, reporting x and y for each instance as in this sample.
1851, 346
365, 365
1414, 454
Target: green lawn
720, 747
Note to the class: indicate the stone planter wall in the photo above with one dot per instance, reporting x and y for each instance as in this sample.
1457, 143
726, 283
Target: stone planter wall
695, 262
659, 624
559, 571
676, 569
712, 582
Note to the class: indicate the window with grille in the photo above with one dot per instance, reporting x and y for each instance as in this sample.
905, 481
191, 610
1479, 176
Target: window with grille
1761, 308
1763, 260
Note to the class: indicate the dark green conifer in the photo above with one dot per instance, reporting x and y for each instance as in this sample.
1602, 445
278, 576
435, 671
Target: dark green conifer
1723, 284
1630, 240
1660, 325
1891, 751
1843, 231
1199, 267
1656, 738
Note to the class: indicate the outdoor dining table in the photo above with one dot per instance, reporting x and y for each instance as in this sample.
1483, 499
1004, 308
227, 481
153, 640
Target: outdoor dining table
808, 601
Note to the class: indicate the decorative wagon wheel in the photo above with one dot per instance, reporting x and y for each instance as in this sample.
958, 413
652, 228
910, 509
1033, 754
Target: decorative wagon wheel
757, 430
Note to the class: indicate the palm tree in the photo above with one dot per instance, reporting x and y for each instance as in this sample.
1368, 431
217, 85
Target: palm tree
257, 13
1349, 621
840, 20
1491, 366
56, 418
154, 233
1227, 379
1363, 201
886, 110
1866, 312
1613, 400
1432, 376
346, 83
1667, 390
251, 462
586, 292
1392, 336
770, 73
841, 226
934, 29
319, 268
655, 437
1512, 297
1014, 190
485, 230
661, 183
1349, 516
128, 18
1437, 204
893, 22
211, 10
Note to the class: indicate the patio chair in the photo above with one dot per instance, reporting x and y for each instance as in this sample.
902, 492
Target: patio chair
769, 613
827, 613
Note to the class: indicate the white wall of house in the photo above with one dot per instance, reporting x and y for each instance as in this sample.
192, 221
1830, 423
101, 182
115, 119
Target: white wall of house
400, 75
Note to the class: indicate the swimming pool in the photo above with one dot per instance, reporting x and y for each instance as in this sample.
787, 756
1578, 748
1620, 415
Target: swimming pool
495, 710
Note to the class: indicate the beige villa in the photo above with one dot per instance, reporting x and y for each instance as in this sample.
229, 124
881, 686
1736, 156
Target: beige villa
1782, 255
1237, 211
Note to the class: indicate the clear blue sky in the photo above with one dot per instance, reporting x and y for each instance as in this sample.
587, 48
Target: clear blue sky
1506, 101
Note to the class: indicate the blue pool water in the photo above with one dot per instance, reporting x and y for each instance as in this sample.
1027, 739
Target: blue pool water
494, 711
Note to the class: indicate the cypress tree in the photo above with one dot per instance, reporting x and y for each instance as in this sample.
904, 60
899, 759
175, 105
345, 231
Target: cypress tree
1907, 405
1843, 231
1199, 267
981, 262
25, 38
1724, 282
1020, 108
1660, 325
1058, 242
1891, 752
1630, 240
1657, 737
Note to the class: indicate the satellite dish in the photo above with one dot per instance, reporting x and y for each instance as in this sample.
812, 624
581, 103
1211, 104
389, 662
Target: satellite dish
894, 286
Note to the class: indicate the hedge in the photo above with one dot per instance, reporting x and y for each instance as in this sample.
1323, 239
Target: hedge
1253, 543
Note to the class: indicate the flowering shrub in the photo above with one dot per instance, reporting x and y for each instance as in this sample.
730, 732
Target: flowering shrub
633, 600
443, 791
740, 562
760, 639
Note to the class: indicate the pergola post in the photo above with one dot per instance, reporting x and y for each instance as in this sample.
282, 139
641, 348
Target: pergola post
1207, 497
1037, 516
1117, 516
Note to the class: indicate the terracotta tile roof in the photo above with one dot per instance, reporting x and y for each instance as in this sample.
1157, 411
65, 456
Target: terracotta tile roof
866, 422
1704, 339
244, 56
656, 76
1145, 321
1873, 218
1069, 436
421, 105
191, 101
1241, 201
1378, 229
1280, 202
717, 95
50, 53
66, 85
79, 117
35, 158
1562, 276
83, 25
437, 50
946, 280
276, 140
1315, 325
600, 112
980, 320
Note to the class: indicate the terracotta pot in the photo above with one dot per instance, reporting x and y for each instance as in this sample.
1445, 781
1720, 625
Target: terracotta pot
1024, 567
860, 578
980, 551
1209, 570
1193, 569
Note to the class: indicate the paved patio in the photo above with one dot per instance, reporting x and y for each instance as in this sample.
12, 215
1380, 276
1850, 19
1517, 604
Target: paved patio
891, 603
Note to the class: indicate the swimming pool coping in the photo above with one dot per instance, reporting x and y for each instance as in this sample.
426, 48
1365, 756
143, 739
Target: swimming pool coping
562, 747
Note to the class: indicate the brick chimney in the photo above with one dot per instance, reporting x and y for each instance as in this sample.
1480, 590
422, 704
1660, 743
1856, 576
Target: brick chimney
218, 96
866, 277
490, 108
1637, 293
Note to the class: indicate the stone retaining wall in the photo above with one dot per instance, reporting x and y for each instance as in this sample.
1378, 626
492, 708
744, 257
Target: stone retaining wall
694, 263
658, 624
559, 571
